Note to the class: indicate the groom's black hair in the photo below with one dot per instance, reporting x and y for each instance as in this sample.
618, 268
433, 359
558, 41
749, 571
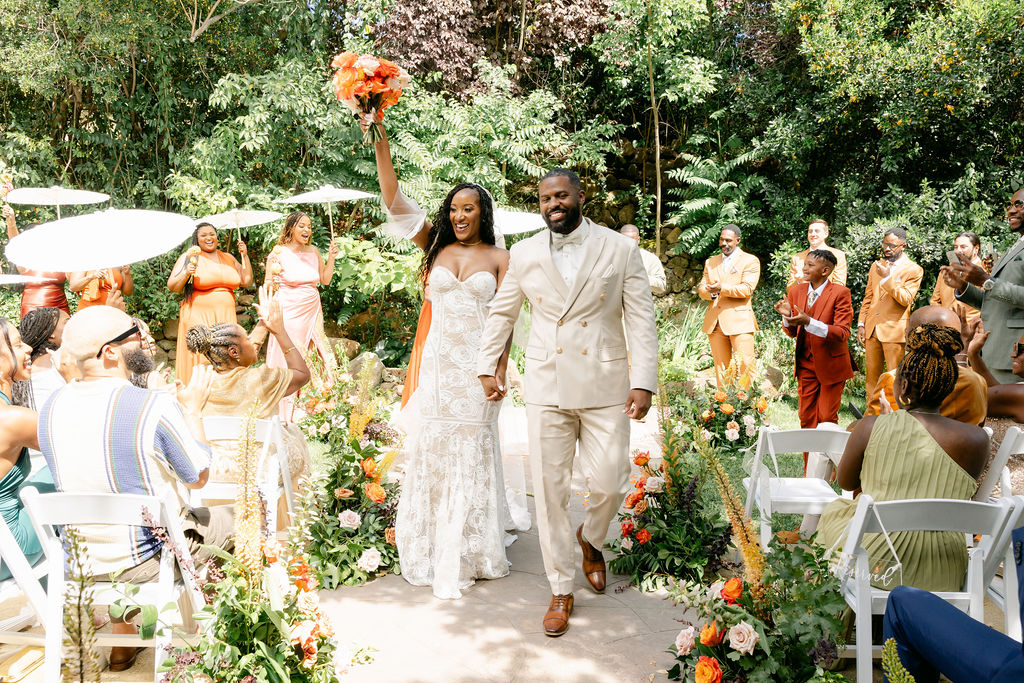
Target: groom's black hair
574, 179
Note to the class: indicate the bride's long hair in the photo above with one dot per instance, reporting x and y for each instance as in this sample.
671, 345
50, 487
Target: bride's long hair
442, 233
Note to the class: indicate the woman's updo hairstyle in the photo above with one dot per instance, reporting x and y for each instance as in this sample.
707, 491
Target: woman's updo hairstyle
213, 341
929, 364
37, 327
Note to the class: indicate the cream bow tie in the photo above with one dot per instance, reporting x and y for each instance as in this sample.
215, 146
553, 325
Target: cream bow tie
575, 237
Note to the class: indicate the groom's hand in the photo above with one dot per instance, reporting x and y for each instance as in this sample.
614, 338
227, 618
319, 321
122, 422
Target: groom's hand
638, 403
493, 391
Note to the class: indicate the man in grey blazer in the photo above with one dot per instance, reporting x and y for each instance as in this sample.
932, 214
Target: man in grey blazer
588, 290
999, 296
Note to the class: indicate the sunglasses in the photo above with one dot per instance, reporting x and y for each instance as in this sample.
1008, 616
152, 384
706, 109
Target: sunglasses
130, 332
1018, 349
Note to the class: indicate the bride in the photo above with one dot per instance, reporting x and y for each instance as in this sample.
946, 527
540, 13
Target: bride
452, 512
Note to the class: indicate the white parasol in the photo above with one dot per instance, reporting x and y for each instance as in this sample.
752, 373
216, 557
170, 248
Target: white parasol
240, 218
54, 196
327, 194
11, 279
102, 239
513, 221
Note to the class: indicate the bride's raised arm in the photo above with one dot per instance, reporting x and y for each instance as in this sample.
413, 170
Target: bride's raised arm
406, 218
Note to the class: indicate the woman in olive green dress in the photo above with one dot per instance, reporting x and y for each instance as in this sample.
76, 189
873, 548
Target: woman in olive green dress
912, 453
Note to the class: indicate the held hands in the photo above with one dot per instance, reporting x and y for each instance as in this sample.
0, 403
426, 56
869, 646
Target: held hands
8, 213
968, 272
190, 266
638, 403
367, 119
494, 390
193, 397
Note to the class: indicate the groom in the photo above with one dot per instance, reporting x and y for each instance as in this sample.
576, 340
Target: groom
587, 289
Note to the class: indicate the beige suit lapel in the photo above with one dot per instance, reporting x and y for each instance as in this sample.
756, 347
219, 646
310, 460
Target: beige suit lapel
591, 251
548, 265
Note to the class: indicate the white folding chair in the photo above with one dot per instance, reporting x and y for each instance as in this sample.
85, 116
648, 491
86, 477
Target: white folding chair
275, 479
85, 509
1012, 444
24, 579
928, 514
1006, 600
790, 495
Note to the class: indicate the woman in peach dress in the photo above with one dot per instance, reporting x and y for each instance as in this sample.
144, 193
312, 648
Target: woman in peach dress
206, 278
296, 268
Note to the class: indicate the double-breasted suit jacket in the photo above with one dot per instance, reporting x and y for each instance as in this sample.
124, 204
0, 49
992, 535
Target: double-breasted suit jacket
731, 309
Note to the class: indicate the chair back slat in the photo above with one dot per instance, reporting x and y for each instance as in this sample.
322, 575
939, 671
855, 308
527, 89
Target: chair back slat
1012, 444
90, 508
224, 428
937, 514
23, 574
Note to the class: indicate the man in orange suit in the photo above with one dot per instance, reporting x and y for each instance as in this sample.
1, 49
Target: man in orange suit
728, 283
819, 314
893, 282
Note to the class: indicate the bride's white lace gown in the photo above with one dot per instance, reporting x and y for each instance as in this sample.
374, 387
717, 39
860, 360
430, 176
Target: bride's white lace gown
452, 513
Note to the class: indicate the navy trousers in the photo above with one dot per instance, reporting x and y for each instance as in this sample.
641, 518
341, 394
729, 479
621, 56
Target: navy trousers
934, 637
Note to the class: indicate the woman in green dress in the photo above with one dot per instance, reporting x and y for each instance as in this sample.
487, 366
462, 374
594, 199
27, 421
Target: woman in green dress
912, 453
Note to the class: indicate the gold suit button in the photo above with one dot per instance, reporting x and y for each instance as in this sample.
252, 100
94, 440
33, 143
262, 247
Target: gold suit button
558, 350
602, 296
559, 323
583, 324
584, 352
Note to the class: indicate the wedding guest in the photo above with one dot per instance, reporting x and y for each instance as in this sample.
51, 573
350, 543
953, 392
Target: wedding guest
652, 264
893, 282
17, 435
728, 284
967, 402
103, 435
207, 281
452, 512
296, 268
914, 452
42, 329
967, 245
238, 383
102, 287
38, 294
817, 233
999, 295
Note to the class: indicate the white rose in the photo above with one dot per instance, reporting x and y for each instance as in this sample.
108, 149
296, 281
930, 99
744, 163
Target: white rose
751, 430
654, 484
349, 519
732, 434
743, 638
715, 589
707, 435
279, 575
749, 421
627, 543
369, 560
325, 427
368, 64
685, 641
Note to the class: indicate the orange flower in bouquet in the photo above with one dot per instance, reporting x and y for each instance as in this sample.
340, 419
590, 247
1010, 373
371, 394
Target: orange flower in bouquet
727, 409
642, 459
368, 85
643, 536
710, 635
375, 492
762, 404
721, 396
732, 590
369, 466
708, 670
633, 498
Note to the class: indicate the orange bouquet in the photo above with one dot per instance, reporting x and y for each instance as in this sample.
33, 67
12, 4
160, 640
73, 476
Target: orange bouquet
368, 85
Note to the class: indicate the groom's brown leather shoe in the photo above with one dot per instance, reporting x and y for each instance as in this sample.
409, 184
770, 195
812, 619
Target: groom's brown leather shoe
556, 620
593, 562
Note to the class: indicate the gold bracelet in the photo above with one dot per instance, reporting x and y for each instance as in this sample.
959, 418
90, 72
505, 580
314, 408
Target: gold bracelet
289, 351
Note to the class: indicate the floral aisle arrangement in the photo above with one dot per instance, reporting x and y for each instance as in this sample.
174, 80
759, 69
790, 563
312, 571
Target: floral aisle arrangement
778, 623
368, 85
263, 621
345, 520
667, 533
731, 415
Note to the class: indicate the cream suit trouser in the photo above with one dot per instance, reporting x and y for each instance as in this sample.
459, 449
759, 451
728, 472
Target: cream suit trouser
603, 437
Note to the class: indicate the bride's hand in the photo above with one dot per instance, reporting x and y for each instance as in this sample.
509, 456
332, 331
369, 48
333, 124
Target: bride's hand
367, 119
493, 389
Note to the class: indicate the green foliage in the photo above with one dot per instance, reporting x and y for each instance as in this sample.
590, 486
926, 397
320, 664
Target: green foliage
894, 670
683, 348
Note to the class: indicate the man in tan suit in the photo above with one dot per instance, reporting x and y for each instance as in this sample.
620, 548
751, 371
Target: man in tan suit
728, 283
893, 282
582, 281
817, 233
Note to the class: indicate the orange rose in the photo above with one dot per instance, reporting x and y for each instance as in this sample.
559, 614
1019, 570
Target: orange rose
641, 482
732, 590
727, 409
642, 459
732, 424
632, 499
720, 396
710, 635
762, 405
708, 671
345, 60
643, 536
369, 467
707, 415
389, 536
343, 493
742, 395
375, 492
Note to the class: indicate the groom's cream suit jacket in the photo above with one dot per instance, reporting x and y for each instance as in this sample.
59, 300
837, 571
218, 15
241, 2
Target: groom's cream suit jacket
576, 354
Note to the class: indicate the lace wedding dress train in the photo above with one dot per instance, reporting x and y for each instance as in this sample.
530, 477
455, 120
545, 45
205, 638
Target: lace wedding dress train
452, 512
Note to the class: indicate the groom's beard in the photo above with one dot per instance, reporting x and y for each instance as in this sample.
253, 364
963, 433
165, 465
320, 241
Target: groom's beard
139, 364
565, 225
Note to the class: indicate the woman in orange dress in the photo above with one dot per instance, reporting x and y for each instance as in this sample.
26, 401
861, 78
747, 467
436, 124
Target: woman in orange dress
206, 278
96, 286
38, 294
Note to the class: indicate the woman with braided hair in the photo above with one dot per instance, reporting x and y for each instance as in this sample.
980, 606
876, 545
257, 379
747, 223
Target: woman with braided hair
237, 384
41, 329
914, 452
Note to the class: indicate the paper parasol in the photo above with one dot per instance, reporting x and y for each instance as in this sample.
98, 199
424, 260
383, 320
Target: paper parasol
327, 194
11, 279
513, 221
240, 218
54, 196
102, 239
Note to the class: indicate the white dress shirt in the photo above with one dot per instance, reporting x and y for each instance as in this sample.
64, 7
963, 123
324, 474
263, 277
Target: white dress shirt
813, 326
655, 271
567, 252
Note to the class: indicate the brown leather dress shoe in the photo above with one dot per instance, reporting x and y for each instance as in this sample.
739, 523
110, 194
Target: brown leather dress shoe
593, 562
556, 620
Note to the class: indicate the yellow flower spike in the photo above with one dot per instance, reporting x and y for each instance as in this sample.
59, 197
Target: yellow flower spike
248, 502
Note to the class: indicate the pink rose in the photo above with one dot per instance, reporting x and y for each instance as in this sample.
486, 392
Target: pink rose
349, 519
369, 560
743, 638
368, 64
685, 641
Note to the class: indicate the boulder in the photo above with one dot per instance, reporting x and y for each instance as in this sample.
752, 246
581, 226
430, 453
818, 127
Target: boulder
171, 329
674, 236
395, 375
172, 354
342, 346
244, 320
157, 331
246, 299
627, 214
774, 375
166, 344
361, 361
